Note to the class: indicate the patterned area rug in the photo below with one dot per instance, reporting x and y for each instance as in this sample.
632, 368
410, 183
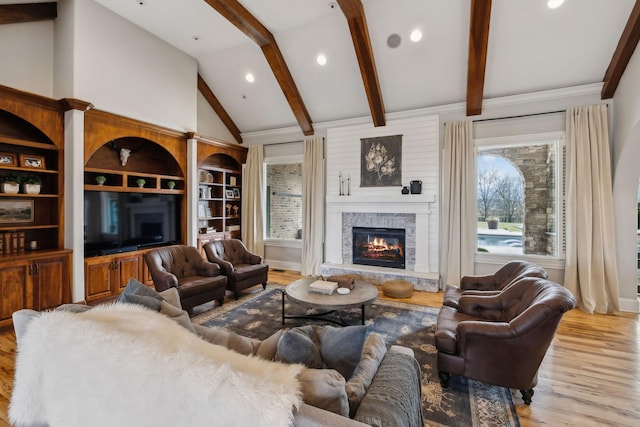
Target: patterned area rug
464, 403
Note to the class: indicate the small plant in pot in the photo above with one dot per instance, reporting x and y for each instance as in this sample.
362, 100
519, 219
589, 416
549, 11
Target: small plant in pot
9, 183
31, 183
101, 179
492, 222
141, 182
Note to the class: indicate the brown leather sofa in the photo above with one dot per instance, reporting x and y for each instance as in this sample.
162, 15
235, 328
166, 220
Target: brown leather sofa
242, 268
182, 267
492, 283
501, 339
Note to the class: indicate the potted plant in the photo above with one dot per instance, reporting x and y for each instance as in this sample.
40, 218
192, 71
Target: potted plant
31, 183
9, 183
140, 182
101, 179
171, 185
492, 222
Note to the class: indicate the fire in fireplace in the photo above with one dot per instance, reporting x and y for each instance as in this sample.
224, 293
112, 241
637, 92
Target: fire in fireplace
383, 247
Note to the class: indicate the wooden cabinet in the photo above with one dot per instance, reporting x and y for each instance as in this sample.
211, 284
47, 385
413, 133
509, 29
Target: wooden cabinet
107, 276
219, 197
38, 280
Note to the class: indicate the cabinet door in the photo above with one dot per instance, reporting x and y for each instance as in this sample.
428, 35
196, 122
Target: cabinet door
52, 283
99, 278
16, 290
130, 266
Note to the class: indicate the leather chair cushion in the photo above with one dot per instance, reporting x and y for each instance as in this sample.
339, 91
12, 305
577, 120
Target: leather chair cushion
190, 286
451, 296
245, 271
445, 336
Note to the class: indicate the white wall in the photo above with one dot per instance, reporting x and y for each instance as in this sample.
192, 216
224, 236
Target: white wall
209, 124
26, 50
419, 162
123, 69
626, 152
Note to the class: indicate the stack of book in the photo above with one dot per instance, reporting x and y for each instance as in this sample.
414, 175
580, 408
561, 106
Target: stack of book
323, 287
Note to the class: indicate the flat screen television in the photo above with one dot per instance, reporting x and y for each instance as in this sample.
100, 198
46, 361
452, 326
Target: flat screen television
122, 222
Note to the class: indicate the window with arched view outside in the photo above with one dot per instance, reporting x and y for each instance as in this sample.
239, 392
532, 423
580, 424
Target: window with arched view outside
519, 191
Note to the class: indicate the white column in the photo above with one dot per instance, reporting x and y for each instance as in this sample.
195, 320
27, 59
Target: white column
191, 189
74, 198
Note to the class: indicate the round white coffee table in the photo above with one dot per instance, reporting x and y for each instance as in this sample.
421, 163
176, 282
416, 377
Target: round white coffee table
362, 294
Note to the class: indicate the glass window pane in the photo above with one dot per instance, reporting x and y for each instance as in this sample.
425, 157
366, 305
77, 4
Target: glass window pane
517, 198
284, 201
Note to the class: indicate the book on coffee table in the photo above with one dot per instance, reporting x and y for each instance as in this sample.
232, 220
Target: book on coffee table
323, 287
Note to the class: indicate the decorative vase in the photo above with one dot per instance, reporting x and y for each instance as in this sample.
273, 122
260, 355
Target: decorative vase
31, 188
405, 190
10, 187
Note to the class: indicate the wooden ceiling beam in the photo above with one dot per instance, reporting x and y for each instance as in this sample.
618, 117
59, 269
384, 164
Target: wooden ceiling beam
623, 53
354, 12
27, 12
204, 89
478, 44
236, 14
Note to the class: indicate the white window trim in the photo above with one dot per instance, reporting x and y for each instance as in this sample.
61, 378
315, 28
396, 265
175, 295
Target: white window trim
545, 261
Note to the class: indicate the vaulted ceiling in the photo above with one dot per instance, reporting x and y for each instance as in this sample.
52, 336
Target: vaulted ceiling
470, 50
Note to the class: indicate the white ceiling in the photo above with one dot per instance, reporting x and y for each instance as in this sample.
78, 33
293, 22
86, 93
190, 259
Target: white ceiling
531, 48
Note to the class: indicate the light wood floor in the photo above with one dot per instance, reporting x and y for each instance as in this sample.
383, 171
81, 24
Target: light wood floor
589, 377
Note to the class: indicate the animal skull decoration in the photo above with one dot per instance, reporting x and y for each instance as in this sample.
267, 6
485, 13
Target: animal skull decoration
124, 155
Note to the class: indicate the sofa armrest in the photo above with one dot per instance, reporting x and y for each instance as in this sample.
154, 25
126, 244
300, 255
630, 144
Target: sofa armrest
251, 258
225, 266
163, 280
310, 416
208, 269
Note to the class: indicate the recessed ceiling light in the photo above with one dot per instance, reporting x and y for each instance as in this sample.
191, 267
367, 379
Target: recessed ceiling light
416, 36
393, 41
250, 77
554, 4
140, 2
321, 59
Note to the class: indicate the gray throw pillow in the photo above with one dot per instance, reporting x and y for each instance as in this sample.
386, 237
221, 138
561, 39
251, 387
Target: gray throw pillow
295, 346
149, 302
138, 293
341, 348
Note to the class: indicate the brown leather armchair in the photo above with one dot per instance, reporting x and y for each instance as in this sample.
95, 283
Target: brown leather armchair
492, 283
501, 339
197, 280
242, 268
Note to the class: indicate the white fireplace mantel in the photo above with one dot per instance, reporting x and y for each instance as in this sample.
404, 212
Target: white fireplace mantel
419, 204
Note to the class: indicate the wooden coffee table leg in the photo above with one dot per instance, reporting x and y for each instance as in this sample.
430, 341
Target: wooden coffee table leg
363, 314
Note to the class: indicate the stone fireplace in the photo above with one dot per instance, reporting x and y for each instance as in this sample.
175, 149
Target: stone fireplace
383, 247
408, 213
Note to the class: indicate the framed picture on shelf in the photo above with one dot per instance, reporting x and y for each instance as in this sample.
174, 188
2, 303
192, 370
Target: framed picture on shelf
201, 210
229, 193
8, 159
31, 161
236, 193
16, 211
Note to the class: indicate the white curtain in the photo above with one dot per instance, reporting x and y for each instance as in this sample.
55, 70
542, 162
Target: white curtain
590, 270
458, 206
312, 206
252, 217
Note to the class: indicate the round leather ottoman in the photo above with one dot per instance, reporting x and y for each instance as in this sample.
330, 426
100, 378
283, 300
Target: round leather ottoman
397, 289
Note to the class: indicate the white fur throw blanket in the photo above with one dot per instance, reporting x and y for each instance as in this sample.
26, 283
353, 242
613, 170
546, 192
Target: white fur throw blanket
123, 365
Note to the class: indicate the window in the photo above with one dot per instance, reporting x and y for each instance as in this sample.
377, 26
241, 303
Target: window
520, 195
284, 200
